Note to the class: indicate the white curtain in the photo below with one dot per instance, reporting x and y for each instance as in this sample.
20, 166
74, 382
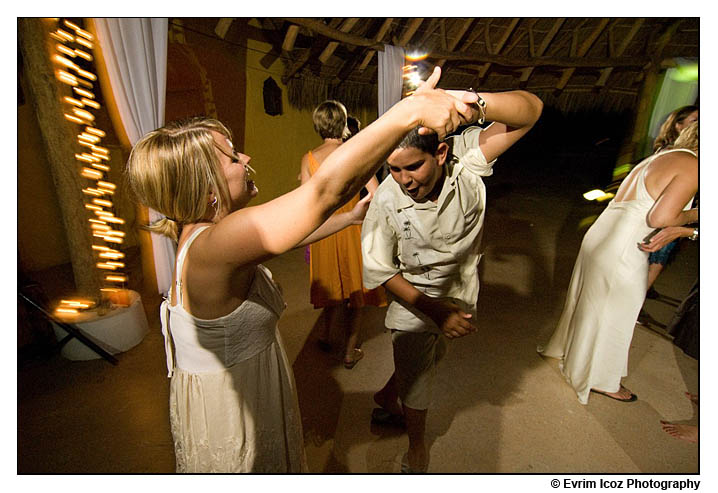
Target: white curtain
135, 52
391, 61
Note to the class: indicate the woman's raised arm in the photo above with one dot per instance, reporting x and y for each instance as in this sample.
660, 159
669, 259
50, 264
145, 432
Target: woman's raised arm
253, 234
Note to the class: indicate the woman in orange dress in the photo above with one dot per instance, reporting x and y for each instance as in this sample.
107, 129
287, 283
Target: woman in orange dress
335, 267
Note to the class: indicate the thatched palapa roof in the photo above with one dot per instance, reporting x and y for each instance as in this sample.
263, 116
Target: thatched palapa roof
572, 63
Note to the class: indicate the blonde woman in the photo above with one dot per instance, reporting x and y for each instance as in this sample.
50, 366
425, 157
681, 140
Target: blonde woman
609, 279
335, 266
673, 125
233, 405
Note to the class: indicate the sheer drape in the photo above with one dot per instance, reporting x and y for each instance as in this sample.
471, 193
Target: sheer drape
135, 53
390, 61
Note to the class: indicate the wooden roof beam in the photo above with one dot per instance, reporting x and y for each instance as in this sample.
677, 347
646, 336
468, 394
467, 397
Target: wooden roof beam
329, 49
290, 38
532, 42
545, 42
500, 44
334, 34
223, 26
606, 72
379, 36
442, 34
455, 41
582, 50
663, 40
517, 40
297, 65
273, 36
550, 35
409, 31
472, 37
487, 38
547, 61
433, 26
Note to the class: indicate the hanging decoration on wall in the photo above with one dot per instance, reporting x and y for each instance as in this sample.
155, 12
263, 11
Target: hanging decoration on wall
72, 58
272, 97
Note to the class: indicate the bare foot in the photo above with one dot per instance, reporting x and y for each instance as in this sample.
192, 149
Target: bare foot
416, 461
689, 433
693, 398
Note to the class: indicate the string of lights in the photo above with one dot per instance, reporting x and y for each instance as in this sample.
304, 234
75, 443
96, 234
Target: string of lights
72, 58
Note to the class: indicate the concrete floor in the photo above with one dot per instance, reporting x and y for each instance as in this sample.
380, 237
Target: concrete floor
499, 407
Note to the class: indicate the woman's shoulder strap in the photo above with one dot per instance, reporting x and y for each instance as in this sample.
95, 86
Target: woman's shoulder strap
181, 255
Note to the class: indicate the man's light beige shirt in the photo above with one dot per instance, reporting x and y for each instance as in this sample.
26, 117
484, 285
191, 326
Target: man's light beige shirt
434, 245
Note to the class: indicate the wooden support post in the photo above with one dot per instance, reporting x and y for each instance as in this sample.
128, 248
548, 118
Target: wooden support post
633, 145
60, 147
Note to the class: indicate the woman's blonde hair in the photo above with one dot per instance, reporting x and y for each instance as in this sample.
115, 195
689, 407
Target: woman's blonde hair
330, 120
688, 138
175, 168
668, 134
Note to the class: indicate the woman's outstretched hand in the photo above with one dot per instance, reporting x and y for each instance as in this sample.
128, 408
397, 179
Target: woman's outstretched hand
664, 237
359, 210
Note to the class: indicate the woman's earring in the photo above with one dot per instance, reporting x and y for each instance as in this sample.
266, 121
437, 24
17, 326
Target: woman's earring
214, 205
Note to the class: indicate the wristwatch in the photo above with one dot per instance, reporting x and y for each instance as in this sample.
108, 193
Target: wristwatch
694, 236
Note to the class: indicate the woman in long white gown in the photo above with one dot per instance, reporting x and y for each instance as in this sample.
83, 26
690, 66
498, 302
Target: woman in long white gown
233, 405
609, 279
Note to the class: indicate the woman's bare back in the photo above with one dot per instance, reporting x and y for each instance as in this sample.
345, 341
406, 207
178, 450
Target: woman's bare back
658, 174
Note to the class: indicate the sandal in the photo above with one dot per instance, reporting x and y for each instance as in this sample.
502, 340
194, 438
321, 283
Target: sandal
405, 468
380, 416
633, 397
357, 354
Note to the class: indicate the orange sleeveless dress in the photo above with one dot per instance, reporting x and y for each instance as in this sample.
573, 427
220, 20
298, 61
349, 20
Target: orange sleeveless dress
335, 265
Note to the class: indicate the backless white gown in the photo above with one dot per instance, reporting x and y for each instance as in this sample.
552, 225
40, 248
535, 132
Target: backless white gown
607, 289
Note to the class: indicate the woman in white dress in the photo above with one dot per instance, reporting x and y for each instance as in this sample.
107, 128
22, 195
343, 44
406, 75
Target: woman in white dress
233, 405
609, 279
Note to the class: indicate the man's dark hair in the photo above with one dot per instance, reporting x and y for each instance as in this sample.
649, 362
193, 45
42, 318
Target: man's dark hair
425, 143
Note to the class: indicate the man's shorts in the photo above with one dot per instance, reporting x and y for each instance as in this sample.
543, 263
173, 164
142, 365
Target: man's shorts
416, 355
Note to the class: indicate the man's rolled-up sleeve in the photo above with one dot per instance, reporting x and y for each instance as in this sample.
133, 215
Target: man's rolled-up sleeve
466, 148
379, 248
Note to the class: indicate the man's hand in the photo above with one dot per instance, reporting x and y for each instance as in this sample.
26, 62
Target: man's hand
447, 315
452, 321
